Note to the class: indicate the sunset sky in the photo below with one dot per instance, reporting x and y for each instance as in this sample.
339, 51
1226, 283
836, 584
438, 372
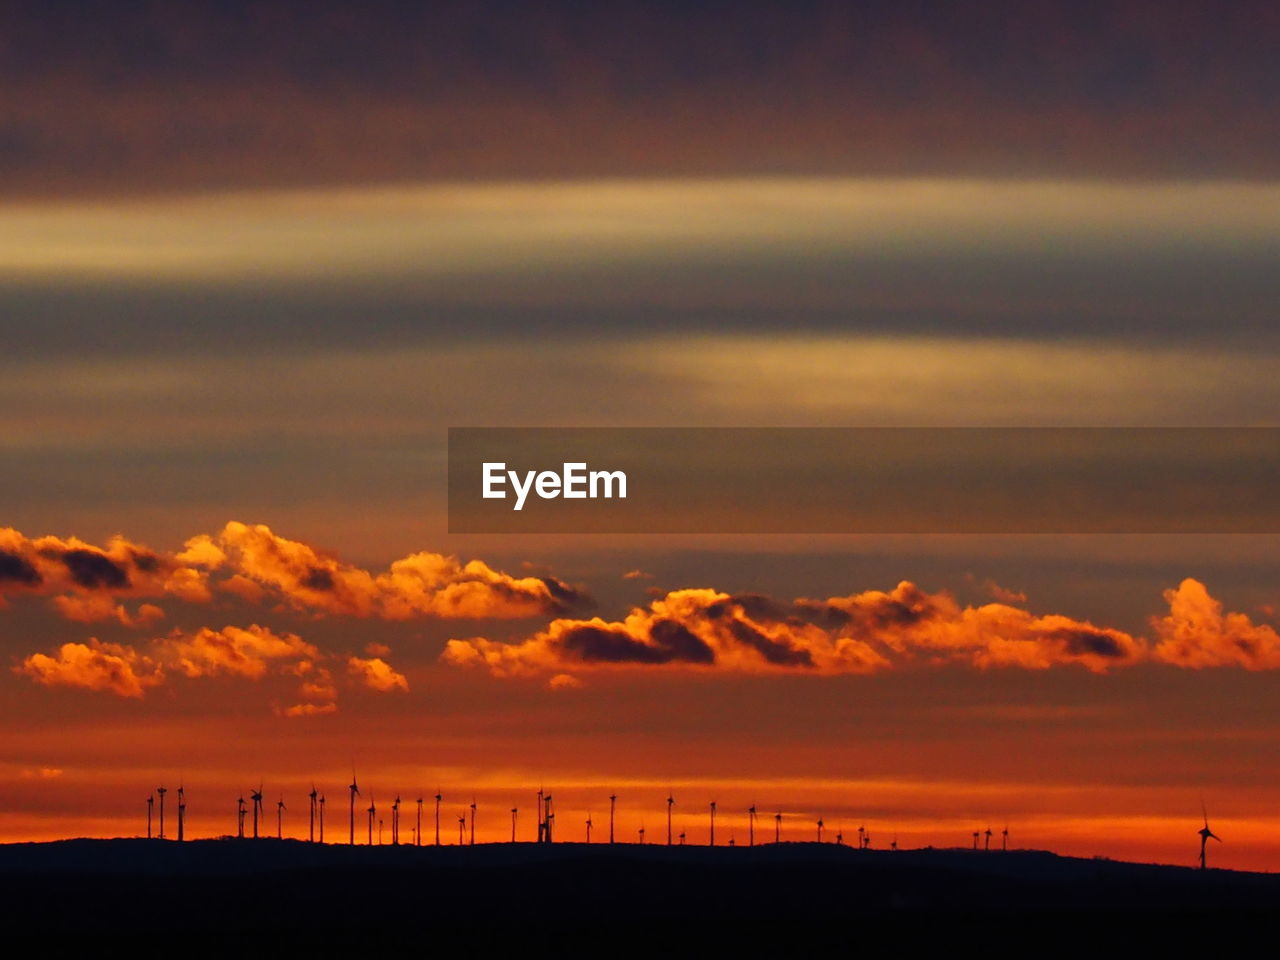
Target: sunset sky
254, 263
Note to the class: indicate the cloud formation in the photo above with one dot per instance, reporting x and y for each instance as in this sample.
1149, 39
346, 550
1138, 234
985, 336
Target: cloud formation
250, 653
255, 565
868, 632
73, 568
241, 652
1196, 633
95, 666
377, 674
420, 585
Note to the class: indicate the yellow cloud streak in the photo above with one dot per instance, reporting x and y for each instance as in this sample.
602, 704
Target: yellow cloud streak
460, 229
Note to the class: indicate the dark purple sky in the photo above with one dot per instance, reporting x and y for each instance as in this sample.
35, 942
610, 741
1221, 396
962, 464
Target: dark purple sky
159, 97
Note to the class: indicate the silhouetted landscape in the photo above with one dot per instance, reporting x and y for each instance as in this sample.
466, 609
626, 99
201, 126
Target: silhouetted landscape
230, 895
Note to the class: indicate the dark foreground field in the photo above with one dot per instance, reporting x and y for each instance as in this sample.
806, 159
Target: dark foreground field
287, 898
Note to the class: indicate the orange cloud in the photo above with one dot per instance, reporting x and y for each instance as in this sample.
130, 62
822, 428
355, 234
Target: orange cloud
253, 563
232, 650
251, 653
861, 633
1196, 633
317, 683
41, 773
377, 674
92, 608
52, 565
422, 584
309, 709
94, 666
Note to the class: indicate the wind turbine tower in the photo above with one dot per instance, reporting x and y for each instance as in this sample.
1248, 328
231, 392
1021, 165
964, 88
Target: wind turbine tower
182, 813
256, 797
354, 788
1205, 834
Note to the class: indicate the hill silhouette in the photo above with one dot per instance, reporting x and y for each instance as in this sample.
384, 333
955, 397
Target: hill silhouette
252, 897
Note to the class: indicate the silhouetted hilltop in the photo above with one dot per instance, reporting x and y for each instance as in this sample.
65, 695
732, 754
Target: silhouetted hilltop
221, 896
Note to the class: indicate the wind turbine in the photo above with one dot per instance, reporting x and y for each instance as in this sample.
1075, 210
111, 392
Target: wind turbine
820, 829
1205, 834
893, 844
379, 831
162, 791
240, 812
373, 810
987, 842
462, 826
777, 827
642, 835
670, 803
438, 799
839, 836
311, 814
975, 839
473, 821
182, 812
151, 805
551, 816
613, 801
321, 807
713, 823
588, 826
751, 825
1004, 839
862, 838
417, 836
395, 821
256, 797
682, 838
280, 809
514, 810
354, 788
